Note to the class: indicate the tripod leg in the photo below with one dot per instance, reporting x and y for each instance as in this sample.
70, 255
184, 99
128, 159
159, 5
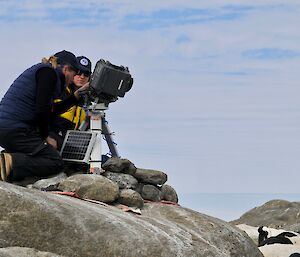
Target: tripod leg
108, 137
95, 159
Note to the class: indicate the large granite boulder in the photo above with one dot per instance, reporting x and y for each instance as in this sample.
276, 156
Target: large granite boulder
274, 214
71, 227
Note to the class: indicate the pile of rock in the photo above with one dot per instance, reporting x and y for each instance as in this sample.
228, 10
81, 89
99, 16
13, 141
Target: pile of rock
121, 182
150, 184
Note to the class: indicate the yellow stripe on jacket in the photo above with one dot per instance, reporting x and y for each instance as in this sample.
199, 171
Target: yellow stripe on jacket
75, 114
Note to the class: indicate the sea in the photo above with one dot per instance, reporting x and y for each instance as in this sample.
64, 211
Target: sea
230, 206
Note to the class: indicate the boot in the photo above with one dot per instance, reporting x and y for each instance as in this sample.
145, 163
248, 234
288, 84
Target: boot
5, 165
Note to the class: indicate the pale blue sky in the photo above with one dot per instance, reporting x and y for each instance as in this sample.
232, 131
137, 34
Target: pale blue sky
215, 103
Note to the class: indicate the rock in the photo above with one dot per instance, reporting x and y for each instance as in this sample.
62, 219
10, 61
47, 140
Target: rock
293, 227
168, 193
139, 188
91, 186
251, 231
154, 177
24, 252
118, 165
150, 192
124, 181
279, 250
212, 231
71, 227
131, 198
50, 184
274, 214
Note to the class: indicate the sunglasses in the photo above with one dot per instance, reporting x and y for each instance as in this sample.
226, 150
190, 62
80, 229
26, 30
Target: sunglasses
85, 73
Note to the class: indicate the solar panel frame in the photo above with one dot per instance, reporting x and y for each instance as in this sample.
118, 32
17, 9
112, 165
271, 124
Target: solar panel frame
78, 145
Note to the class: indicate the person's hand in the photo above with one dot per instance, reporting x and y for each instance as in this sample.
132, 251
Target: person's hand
80, 91
51, 141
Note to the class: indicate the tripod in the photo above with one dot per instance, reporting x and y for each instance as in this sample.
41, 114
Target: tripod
107, 83
99, 125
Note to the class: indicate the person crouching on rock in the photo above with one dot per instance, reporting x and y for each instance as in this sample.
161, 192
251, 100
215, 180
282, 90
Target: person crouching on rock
24, 118
75, 115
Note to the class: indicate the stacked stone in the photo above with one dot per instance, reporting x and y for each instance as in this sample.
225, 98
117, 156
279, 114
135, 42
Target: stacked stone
148, 184
121, 183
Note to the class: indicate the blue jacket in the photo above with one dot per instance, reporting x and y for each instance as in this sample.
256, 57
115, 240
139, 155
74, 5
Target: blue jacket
17, 107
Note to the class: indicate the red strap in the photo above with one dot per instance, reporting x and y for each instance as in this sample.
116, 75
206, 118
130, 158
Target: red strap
169, 202
72, 194
162, 202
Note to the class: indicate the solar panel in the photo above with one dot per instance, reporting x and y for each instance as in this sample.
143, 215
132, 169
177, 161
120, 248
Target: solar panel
77, 146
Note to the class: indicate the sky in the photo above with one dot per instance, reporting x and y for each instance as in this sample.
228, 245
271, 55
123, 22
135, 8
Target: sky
215, 101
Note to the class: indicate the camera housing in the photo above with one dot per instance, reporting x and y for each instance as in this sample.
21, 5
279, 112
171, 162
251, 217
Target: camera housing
109, 81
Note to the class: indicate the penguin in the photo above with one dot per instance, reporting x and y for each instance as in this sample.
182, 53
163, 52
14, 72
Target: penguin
295, 255
262, 235
287, 234
281, 238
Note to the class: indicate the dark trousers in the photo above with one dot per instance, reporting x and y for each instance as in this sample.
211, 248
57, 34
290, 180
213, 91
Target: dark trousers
31, 155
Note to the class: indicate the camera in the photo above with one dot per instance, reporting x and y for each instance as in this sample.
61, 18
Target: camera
108, 82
